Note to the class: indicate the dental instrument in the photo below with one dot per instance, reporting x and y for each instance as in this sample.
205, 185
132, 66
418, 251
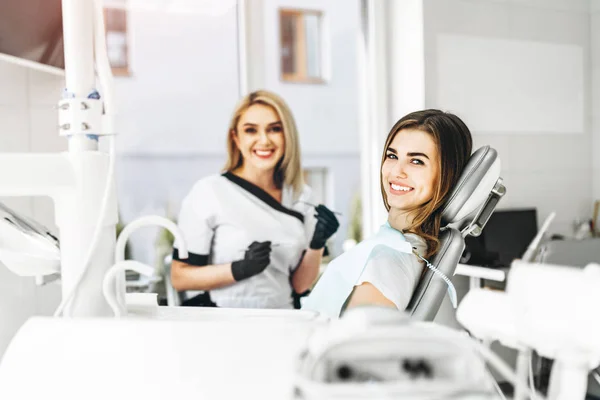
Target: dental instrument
27, 248
26, 224
314, 206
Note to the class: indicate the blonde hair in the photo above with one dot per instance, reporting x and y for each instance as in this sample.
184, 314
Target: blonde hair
453, 142
288, 170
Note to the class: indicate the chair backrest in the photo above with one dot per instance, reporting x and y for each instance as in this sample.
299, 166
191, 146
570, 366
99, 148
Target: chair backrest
466, 212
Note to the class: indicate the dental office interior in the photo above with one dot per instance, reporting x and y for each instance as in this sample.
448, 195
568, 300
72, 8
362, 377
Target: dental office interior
85, 313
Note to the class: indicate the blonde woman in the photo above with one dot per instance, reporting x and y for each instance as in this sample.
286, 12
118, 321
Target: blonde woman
249, 239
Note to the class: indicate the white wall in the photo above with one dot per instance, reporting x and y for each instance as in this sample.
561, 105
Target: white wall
595, 114
28, 123
183, 84
540, 127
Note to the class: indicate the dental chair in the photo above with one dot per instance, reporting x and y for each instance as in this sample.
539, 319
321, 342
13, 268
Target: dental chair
470, 205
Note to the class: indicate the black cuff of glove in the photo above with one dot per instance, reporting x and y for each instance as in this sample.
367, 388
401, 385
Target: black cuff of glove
238, 271
316, 244
319, 246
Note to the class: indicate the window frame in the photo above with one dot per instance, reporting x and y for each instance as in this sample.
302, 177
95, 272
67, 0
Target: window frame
301, 57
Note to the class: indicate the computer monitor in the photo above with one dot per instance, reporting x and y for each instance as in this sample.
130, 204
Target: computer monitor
505, 237
32, 30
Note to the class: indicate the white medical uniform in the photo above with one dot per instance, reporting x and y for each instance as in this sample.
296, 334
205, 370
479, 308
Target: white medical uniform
396, 274
224, 214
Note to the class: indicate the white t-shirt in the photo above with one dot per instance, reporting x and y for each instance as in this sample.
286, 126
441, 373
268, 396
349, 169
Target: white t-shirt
223, 214
396, 274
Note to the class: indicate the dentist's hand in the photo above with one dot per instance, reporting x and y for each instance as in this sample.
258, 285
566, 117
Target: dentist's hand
256, 259
327, 225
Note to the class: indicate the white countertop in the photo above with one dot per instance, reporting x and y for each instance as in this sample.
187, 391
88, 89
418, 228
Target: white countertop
480, 272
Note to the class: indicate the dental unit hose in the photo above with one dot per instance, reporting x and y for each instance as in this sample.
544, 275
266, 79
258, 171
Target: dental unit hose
451, 288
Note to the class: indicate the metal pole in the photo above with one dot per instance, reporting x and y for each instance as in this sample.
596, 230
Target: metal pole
79, 211
78, 39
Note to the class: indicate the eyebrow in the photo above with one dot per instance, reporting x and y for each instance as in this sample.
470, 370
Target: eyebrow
417, 155
413, 154
272, 123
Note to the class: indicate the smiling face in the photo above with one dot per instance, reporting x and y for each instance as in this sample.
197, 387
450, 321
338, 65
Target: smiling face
259, 137
410, 170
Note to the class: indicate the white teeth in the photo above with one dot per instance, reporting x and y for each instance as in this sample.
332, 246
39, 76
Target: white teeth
402, 188
263, 152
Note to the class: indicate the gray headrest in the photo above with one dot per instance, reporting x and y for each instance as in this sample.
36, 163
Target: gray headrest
474, 186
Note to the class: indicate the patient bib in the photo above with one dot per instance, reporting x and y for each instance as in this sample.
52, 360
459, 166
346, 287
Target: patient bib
342, 274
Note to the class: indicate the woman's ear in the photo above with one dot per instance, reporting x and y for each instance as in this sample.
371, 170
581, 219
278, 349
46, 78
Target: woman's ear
235, 138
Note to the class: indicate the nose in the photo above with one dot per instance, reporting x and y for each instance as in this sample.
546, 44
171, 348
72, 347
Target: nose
263, 137
399, 170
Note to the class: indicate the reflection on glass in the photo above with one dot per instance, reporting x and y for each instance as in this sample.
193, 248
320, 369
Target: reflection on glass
116, 44
313, 59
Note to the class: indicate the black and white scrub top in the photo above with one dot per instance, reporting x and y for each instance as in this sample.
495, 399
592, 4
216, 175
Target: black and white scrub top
223, 214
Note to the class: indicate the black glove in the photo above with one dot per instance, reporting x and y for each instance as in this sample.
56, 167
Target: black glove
255, 261
327, 224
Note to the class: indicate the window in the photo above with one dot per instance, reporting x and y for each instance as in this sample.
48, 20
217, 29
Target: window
116, 39
301, 46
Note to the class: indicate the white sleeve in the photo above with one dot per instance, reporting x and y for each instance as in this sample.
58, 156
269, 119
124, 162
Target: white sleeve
394, 274
196, 222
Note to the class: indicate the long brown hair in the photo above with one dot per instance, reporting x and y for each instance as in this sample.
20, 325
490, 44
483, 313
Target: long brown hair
454, 143
288, 171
